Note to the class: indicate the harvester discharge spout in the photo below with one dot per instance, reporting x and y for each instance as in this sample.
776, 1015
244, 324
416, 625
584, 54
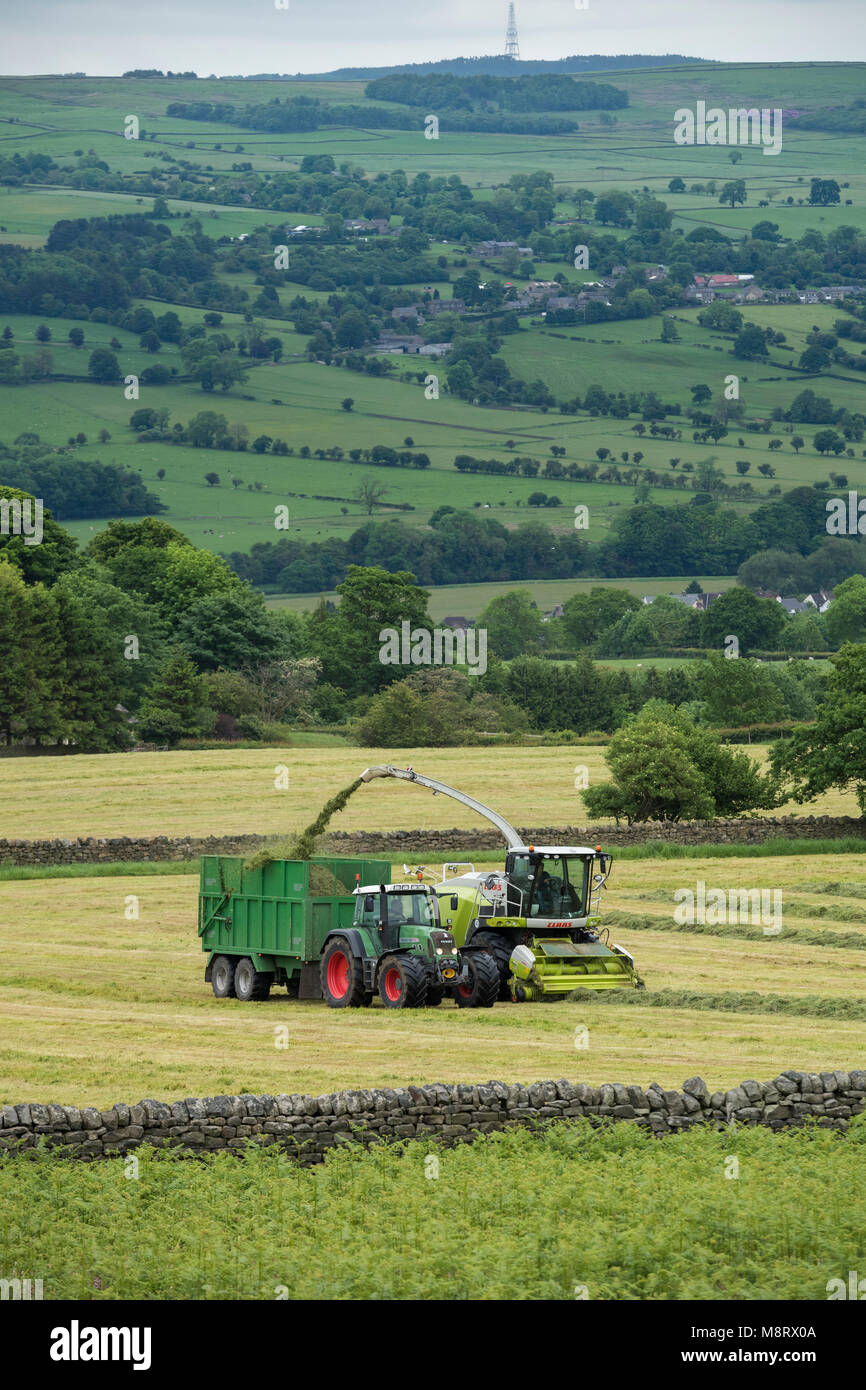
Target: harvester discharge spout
513, 838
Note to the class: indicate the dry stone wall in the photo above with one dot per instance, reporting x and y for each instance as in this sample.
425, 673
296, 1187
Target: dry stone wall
308, 1126
442, 844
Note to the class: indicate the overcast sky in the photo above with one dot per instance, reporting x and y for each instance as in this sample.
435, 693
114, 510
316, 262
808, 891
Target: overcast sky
244, 36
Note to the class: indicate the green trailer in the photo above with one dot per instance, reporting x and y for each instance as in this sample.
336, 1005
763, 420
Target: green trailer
336, 929
277, 917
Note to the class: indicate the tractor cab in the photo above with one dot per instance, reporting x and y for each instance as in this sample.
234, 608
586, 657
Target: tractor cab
403, 915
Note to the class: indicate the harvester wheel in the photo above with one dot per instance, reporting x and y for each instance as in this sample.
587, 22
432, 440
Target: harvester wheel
251, 984
499, 949
223, 977
483, 989
342, 976
402, 983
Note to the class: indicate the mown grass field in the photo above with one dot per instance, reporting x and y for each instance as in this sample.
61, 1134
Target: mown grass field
97, 1008
792, 1221
231, 791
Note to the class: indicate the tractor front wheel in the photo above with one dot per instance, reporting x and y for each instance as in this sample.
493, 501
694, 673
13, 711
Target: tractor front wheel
222, 977
342, 976
402, 983
482, 988
251, 984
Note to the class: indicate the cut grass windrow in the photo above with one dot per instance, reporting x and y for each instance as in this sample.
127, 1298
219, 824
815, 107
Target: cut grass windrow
802, 936
731, 1002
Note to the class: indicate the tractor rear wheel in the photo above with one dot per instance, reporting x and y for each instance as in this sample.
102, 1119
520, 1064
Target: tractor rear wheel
482, 990
342, 976
222, 977
499, 948
402, 983
251, 984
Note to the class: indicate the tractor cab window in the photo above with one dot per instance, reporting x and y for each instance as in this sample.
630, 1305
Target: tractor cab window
367, 910
413, 909
558, 887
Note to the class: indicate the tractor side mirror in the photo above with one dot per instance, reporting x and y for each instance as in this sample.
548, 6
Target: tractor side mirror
455, 902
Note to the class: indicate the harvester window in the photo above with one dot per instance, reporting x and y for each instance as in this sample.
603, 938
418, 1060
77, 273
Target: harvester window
558, 888
519, 884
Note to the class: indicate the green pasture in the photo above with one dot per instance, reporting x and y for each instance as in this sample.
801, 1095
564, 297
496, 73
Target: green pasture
299, 401
468, 600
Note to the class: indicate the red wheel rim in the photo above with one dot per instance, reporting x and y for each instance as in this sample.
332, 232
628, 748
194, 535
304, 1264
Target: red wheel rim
465, 991
337, 976
393, 984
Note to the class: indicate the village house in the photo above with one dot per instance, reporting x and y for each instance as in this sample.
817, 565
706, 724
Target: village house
700, 602
443, 306
410, 345
542, 289
830, 292
820, 599
498, 248
380, 225
562, 301
591, 296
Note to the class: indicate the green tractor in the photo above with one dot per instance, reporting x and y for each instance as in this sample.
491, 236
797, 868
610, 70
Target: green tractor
398, 945
538, 919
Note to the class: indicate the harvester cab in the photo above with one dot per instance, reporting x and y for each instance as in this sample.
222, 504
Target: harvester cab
546, 902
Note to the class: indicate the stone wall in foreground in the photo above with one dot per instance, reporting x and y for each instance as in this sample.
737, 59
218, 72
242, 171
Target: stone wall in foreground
308, 1126
439, 844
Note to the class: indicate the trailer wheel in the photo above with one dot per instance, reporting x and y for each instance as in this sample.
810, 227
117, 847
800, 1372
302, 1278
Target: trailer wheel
482, 991
402, 983
251, 984
223, 978
499, 949
342, 976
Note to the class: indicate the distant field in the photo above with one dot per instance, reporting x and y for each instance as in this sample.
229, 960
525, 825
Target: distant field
299, 401
226, 792
27, 215
467, 600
